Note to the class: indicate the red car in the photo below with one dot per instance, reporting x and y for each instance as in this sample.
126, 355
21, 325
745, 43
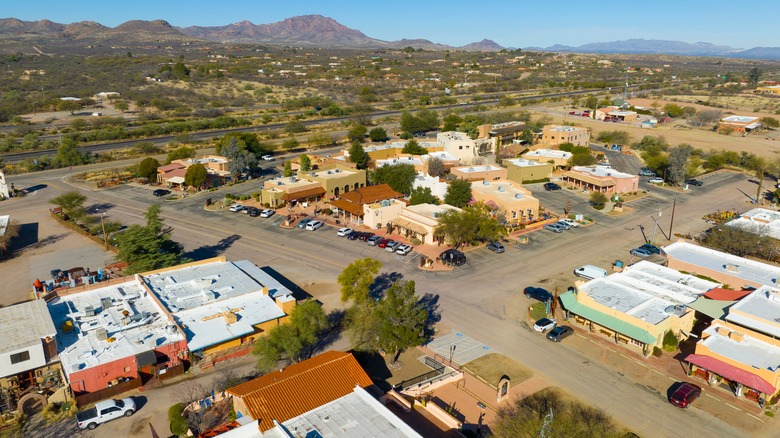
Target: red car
684, 395
383, 243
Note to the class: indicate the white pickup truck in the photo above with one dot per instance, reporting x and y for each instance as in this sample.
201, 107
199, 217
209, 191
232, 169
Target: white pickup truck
105, 411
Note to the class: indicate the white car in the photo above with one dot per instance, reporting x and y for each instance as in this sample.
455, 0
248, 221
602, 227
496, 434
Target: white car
403, 249
571, 222
313, 225
236, 207
267, 158
267, 212
656, 181
343, 232
544, 325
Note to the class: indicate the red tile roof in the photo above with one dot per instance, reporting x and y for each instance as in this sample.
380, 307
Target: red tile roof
731, 372
720, 294
168, 167
301, 387
371, 194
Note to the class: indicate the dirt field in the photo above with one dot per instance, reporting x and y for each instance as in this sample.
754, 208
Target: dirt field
492, 366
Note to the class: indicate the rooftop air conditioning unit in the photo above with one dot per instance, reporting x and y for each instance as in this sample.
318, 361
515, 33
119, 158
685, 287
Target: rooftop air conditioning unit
101, 334
89, 311
501, 189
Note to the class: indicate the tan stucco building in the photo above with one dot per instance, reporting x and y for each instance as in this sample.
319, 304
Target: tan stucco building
284, 190
370, 205
520, 170
601, 179
508, 198
555, 135
420, 221
338, 180
555, 157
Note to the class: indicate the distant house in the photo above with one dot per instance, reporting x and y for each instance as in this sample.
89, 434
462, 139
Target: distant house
555, 135
172, 175
758, 221
741, 124
420, 221
615, 114
555, 157
437, 186
515, 203
372, 205
487, 172
521, 170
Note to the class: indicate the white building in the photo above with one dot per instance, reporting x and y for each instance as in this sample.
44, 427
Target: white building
27, 337
4, 194
759, 221
735, 271
438, 187
459, 145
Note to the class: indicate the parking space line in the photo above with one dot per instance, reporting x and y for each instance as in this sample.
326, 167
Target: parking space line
733, 407
755, 417
610, 349
581, 336
624, 356
671, 378
640, 363
710, 396
657, 372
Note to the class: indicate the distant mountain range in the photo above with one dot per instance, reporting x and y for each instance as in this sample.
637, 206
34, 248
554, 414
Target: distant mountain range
319, 31
642, 46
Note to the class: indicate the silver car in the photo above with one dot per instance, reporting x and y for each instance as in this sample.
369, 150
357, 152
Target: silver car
392, 246
555, 228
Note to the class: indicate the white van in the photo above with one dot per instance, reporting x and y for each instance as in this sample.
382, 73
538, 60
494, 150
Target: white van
590, 272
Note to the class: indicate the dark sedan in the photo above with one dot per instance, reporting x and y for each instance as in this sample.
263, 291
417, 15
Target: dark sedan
161, 192
559, 333
453, 257
551, 186
537, 293
694, 182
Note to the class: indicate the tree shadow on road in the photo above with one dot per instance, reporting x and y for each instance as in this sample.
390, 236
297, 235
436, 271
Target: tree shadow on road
329, 335
100, 207
382, 282
209, 251
430, 303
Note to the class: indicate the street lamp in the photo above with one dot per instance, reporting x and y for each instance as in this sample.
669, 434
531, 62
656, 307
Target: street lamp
103, 225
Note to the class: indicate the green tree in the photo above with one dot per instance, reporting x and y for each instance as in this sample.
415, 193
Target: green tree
305, 162
357, 133
122, 106
670, 341
678, 163
196, 176
180, 153
320, 140
356, 279
474, 223
436, 167
377, 134
147, 168
400, 177
422, 195
451, 122
149, 247
294, 127
72, 204
290, 144
69, 105
68, 154
244, 140
598, 200
458, 193
592, 103
239, 160
770, 122
582, 159
293, 341
180, 71
754, 75
413, 148
673, 110
288, 171
400, 318
358, 155
742, 243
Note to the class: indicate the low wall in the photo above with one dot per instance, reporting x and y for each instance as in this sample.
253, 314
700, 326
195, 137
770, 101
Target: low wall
432, 384
441, 415
395, 397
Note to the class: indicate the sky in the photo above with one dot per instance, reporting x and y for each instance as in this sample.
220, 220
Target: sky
511, 23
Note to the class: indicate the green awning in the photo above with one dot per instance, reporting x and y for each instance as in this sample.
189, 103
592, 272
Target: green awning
715, 309
570, 303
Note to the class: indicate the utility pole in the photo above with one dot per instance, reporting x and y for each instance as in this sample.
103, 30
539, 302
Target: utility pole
103, 225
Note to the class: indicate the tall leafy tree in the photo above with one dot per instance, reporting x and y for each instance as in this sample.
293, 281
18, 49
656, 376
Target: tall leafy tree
239, 160
436, 167
288, 169
68, 154
293, 341
196, 176
377, 134
458, 193
399, 176
422, 195
474, 223
400, 319
305, 163
414, 148
180, 153
357, 133
355, 280
72, 204
149, 247
147, 168
678, 163
358, 155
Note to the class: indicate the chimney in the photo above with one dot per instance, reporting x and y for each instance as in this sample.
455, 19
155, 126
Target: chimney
264, 290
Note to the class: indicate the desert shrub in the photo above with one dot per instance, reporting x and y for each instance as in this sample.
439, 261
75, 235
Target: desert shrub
179, 424
670, 341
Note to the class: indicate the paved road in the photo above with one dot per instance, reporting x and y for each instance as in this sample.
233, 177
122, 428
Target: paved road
472, 298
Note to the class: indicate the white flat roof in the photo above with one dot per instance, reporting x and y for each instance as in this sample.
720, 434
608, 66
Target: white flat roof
413, 160
563, 128
23, 325
522, 162
144, 328
602, 171
758, 221
762, 308
549, 153
430, 210
717, 261
749, 350
197, 295
442, 155
646, 290
477, 169
739, 119
356, 415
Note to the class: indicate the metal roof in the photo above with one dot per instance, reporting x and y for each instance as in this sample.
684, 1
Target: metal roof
724, 263
570, 303
23, 325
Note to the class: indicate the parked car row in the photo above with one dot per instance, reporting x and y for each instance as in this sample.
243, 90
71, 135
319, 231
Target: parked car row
562, 225
388, 244
645, 250
252, 211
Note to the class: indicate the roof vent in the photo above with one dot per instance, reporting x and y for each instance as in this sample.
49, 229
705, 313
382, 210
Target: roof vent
485, 183
731, 267
501, 189
518, 196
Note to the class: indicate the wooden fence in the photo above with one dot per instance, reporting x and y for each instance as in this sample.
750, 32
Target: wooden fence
106, 393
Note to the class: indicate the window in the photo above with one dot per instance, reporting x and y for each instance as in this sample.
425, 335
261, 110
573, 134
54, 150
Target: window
20, 357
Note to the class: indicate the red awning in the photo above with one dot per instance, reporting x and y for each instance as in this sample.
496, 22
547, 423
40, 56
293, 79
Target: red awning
731, 372
720, 294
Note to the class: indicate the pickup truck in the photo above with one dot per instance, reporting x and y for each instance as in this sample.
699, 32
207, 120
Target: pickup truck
105, 411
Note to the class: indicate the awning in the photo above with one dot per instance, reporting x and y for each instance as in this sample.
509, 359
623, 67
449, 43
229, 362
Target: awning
146, 358
731, 372
715, 309
303, 194
409, 225
175, 180
570, 303
722, 294
349, 207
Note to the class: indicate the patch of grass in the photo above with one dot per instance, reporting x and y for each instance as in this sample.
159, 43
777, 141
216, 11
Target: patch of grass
491, 367
769, 413
537, 311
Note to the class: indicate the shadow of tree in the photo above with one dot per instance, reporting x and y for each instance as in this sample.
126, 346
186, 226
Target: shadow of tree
297, 292
48, 240
329, 335
100, 207
28, 236
209, 251
382, 282
430, 303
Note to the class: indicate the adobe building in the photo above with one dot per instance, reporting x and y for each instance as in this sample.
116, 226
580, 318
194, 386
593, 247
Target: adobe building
601, 179
557, 158
420, 221
740, 124
521, 170
488, 172
371, 206
555, 135
515, 203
